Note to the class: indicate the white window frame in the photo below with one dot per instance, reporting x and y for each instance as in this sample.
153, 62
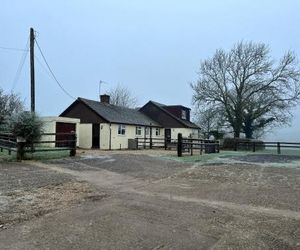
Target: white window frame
183, 114
157, 131
138, 131
121, 129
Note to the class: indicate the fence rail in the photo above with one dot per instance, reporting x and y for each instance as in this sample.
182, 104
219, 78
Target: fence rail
11, 143
190, 145
254, 146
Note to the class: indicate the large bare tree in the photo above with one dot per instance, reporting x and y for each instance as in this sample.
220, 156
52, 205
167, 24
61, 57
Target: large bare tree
121, 96
252, 90
9, 105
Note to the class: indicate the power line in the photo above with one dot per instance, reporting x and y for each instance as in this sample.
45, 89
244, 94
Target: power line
14, 49
20, 66
51, 72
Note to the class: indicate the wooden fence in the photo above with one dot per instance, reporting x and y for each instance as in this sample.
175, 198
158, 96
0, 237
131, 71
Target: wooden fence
254, 146
190, 145
53, 142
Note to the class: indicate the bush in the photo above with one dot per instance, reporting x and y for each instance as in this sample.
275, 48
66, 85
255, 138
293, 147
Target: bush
243, 144
27, 125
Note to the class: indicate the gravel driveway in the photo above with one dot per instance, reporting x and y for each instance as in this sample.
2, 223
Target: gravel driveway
145, 202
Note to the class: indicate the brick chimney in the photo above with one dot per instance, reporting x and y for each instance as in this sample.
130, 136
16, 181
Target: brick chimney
104, 98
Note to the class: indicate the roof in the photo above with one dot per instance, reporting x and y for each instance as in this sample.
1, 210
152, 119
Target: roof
182, 121
117, 114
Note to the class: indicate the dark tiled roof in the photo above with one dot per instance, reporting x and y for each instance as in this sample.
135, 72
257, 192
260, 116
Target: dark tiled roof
184, 122
117, 114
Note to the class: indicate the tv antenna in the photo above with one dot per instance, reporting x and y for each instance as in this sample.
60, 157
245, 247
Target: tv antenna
100, 84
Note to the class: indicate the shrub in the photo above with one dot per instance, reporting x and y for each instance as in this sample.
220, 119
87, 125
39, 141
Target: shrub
27, 125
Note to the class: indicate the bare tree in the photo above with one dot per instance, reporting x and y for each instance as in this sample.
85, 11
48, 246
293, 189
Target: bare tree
121, 96
253, 90
210, 121
9, 104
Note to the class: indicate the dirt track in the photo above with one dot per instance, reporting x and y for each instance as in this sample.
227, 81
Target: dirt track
145, 202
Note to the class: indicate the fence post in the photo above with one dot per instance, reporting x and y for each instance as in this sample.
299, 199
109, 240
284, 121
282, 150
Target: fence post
144, 142
73, 145
201, 146
179, 145
20, 151
278, 148
253, 148
191, 146
165, 143
137, 143
235, 145
150, 142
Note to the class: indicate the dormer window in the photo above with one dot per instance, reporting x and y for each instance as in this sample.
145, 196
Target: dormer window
183, 114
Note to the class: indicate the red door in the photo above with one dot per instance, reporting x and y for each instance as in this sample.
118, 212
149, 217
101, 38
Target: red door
62, 127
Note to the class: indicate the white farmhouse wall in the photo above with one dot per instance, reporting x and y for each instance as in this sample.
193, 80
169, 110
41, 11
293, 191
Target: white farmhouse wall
85, 135
186, 132
121, 141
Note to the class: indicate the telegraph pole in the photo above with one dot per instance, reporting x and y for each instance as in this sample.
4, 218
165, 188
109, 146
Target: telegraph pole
32, 79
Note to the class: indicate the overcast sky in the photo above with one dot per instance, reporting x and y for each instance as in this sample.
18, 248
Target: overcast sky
152, 47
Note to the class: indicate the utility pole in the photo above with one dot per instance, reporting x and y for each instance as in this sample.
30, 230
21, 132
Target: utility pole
32, 79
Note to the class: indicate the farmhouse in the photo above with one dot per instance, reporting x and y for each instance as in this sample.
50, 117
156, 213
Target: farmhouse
106, 126
174, 118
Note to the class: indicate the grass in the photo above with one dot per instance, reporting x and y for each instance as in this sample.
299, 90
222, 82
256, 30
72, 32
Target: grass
36, 155
216, 157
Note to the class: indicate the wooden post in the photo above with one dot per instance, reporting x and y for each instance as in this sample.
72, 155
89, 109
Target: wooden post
191, 146
73, 146
20, 151
137, 143
201, 146
235, 145
32, 78
150, 136
218, 147
179, 145
253, 147
165, 143
144, 142
278, 148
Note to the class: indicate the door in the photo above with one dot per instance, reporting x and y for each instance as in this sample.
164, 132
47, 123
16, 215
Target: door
168, 135
96, 136
61, 128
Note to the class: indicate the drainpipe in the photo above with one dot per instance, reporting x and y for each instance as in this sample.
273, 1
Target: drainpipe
109, 136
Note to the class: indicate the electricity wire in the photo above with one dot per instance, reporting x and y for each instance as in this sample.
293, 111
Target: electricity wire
51, 72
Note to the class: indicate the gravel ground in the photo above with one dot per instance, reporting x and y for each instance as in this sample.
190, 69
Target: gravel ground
27, 192
154, 203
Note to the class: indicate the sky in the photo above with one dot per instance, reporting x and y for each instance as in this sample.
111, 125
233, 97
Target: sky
154, 48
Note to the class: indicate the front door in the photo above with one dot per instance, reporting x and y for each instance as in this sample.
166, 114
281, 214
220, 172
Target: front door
168, 135
96, 136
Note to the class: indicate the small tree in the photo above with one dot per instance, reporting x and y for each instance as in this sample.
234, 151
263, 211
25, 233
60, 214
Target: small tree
121, 96
27, 125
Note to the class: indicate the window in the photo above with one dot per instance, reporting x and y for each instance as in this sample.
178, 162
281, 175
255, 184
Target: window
147, 131
157, 131
183, 114
121, 130
138, 130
